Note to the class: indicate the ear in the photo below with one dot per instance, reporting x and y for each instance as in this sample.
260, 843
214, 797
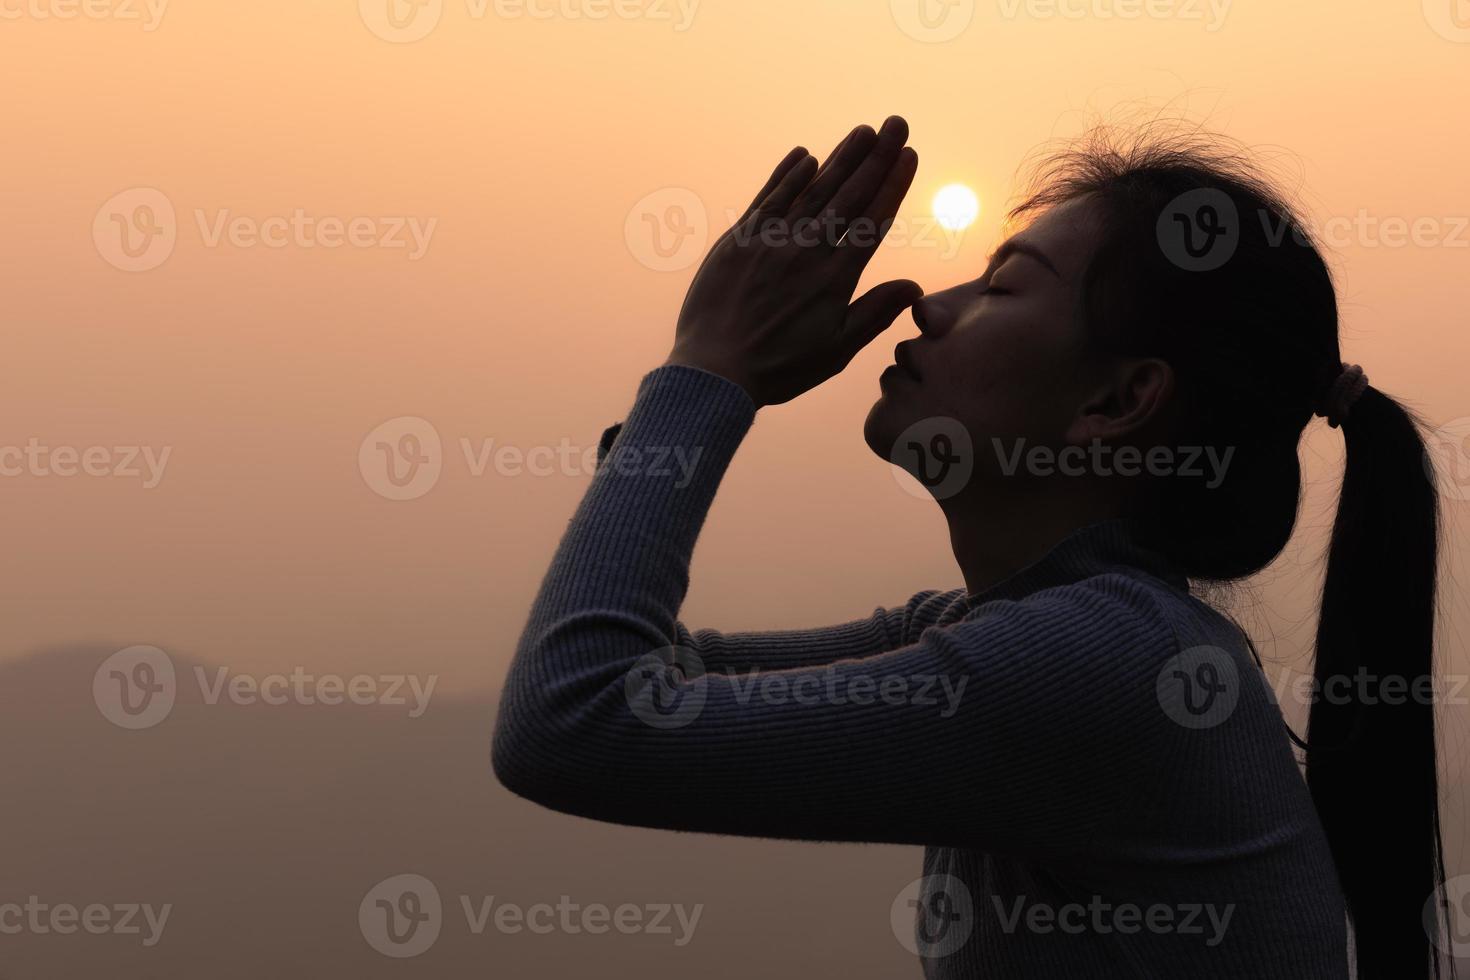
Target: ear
1132, 396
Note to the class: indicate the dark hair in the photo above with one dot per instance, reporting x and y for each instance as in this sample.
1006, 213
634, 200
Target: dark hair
1251, 333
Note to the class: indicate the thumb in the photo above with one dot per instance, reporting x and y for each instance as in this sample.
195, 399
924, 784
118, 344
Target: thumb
874, 312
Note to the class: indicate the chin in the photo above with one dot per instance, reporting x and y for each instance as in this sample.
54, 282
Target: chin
885, 422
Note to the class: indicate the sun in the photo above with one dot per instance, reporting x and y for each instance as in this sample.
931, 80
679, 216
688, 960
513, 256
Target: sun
956, 207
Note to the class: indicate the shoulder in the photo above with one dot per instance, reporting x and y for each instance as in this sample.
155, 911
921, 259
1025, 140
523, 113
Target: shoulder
1122, 641
927, 608
1081, 671
1112, 628
1136, 601
1123, 621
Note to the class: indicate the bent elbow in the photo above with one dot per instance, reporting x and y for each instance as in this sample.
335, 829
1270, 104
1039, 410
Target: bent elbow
551, 736
513, 762
540, 763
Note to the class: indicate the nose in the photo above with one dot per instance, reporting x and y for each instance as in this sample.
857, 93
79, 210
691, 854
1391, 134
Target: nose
926, 313
935, 313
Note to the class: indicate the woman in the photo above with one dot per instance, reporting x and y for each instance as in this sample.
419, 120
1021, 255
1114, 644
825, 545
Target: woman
1100, 776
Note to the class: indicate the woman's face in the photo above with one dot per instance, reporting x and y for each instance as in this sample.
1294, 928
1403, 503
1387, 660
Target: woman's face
1000, 355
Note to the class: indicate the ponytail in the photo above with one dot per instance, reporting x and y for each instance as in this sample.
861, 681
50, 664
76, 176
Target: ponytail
1370, 761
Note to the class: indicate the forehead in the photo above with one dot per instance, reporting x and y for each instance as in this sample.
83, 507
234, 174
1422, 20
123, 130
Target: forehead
1065, 233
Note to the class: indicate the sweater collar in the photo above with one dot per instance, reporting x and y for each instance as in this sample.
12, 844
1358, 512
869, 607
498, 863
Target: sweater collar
1093, 549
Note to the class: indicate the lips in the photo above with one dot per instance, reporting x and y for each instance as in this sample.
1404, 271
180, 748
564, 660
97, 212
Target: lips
904, 358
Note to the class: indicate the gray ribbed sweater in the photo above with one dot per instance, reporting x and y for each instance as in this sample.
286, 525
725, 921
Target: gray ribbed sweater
1096, 768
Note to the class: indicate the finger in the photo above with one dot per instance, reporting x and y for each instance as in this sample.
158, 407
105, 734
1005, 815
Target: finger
787, 162
778, 202
845, 159
866, 231
837, 149
858, 190
874, 312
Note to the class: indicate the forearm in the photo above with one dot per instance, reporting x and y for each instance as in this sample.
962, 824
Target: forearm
621, 570
745, 650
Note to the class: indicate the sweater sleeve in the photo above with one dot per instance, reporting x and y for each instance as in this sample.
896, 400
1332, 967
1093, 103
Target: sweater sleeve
1026, 725
887, 628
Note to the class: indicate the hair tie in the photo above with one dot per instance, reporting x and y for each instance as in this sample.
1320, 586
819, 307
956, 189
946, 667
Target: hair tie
1345, 389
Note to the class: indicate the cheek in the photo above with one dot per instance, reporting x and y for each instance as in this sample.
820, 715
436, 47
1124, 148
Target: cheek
1003, 381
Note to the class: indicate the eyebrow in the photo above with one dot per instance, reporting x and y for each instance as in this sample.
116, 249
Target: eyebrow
1019, 246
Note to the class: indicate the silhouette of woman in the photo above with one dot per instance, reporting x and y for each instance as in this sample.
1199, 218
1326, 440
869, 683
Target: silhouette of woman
1108, 416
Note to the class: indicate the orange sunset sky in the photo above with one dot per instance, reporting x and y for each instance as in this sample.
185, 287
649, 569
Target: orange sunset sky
241, 237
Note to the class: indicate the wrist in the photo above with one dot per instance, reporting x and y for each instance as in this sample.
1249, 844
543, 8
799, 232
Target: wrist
734, 377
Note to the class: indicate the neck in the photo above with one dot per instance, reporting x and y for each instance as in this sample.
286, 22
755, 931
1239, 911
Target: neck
994, 535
